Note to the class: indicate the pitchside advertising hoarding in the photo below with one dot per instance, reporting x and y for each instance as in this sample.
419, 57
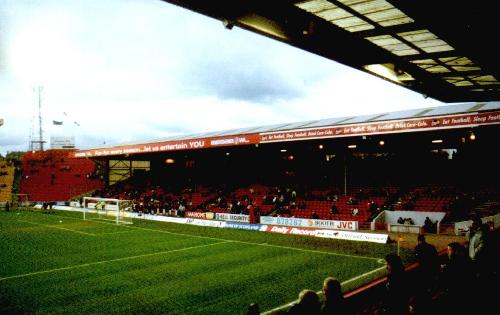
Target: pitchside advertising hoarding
200, 215
394, 126
343, 235
244, 218
322, 224
324, 233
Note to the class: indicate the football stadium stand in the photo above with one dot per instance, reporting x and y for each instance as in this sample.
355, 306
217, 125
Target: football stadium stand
7, 170
56, 175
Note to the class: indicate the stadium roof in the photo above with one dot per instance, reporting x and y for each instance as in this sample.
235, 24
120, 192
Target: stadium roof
441, 49
422, 119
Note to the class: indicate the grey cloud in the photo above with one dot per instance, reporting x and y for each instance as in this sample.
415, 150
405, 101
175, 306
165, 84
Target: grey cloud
227, 79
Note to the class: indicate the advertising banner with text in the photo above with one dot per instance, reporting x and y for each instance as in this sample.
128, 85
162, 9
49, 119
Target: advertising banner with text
407, 125
219, 224
311, 223
393, 126
343, 235
232, 217
200, 215
176, 145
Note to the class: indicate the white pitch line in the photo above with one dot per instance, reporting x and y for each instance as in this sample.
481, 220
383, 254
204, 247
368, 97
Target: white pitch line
234, 241
285, 306
249, 243
57, 227
106, 261
112, 233
257, 244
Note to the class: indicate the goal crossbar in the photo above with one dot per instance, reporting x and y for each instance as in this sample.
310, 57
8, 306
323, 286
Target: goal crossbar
105, 208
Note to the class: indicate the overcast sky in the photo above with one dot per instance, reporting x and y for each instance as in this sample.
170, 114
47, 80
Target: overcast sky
138, 70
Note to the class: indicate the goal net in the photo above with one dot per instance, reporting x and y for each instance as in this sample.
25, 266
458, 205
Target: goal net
108, 209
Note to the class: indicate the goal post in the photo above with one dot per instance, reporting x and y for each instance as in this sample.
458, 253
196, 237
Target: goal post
109, 209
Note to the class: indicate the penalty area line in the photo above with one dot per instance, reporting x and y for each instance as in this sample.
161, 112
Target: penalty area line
113, 233
244, 242
107, 261
58, 227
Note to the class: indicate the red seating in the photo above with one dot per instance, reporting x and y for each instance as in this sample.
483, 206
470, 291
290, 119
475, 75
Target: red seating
56, 176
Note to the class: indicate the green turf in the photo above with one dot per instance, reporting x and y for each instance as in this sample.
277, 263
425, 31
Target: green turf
84, 267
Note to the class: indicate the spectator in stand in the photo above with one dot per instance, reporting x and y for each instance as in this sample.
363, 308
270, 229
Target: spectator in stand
265, 200
477, 238
251, 212
302, 205
333, 209
354, 211
429, 226
373, 209
181, 210
475, 226
308, 304
395, 300
334, 299
482, 253
420, 304
457, 279
408, 221
314, 215
253, 309
256, 212
428, 270
274, 200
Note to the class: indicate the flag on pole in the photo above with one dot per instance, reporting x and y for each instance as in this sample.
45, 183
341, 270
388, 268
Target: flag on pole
57, 122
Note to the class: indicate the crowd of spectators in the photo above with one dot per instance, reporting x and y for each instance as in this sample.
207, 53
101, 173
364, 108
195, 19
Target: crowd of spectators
458, 282
362, 204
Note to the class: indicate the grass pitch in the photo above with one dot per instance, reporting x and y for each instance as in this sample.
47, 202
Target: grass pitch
59, 263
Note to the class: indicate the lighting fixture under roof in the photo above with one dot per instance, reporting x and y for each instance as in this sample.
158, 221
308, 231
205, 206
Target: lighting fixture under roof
426, 41
485, 79
379, 11
447, 64
458, 81
335, 15
431, 66
342, 13
459, 62
415, 44
393, 45
389, 71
